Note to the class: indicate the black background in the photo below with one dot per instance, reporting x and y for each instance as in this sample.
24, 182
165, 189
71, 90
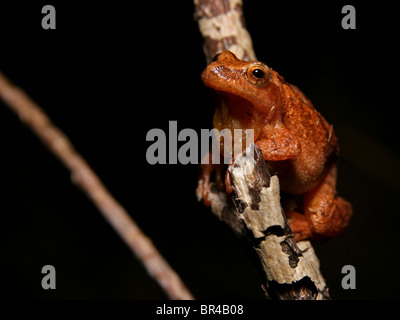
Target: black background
110, 72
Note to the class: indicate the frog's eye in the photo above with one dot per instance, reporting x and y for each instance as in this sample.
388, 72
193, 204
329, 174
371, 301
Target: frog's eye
257, 74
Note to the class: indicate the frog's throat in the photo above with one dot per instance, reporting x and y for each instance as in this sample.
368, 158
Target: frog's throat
234, 112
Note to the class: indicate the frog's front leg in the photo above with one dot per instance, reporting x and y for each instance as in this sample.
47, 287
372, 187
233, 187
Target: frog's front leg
325, 214
279, 145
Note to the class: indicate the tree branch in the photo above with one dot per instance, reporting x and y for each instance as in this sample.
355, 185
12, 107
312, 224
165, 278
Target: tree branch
291, 270
222, 25
87, 180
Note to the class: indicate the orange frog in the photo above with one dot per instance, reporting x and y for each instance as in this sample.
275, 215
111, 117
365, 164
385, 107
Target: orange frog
298, 144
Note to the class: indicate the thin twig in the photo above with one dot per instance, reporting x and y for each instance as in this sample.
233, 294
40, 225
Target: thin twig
85, 178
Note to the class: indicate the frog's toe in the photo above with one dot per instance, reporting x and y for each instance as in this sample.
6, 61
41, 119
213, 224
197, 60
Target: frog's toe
299, 225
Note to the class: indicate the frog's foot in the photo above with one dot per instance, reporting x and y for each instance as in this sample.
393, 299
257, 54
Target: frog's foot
330, 217
299, 225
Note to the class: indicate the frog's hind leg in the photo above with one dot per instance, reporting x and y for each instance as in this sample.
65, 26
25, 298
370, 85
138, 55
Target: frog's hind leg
325, 213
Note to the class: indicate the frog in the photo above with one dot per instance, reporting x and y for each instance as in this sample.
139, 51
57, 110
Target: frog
297, 142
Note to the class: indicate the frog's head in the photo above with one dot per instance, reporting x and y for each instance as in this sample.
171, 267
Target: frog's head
249, 83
